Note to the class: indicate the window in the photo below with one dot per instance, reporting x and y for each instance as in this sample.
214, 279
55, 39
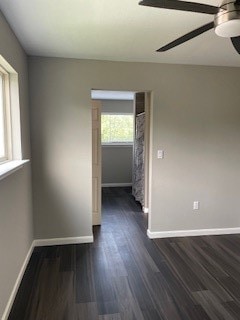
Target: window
10, 124
117, 128
5, 132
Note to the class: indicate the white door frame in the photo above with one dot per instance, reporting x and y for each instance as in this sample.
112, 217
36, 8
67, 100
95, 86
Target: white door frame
97, 187
96, 163
147, 150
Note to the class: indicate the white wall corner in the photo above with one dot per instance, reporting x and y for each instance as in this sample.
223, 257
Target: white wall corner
191, 233
17, 284
62, 241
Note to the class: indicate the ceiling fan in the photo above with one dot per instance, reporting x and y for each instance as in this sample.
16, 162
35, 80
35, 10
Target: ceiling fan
226, 21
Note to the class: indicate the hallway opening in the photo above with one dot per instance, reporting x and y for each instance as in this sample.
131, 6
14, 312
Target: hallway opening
121, 145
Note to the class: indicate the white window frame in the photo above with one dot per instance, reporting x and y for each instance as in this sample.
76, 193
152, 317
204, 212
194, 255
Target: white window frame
120, 143
6, 116
13, 160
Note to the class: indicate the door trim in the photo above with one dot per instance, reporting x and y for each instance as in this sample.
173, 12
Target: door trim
96, 163
147, 166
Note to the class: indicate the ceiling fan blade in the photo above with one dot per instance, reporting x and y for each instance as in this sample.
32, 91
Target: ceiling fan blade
187, 37
236, 43
181, 5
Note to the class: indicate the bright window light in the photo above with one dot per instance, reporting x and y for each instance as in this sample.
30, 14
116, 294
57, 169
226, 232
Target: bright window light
2, 118
5, 135
10, 129
117, 128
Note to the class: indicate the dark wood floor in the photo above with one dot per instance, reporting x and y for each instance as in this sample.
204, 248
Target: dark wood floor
124, 275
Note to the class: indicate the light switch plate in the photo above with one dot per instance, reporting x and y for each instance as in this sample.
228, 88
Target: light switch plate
160, 154
196, 205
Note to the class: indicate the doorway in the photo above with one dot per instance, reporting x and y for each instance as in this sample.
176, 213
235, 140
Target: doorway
107, 108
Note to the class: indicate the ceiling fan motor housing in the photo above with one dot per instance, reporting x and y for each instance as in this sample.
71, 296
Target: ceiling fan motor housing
227, 20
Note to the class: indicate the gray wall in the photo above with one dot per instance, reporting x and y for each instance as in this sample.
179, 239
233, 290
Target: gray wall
196, 120
117, 160
123, 106
117, 164
16, 232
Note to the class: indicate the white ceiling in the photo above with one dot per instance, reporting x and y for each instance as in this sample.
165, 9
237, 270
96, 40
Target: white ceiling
118, 30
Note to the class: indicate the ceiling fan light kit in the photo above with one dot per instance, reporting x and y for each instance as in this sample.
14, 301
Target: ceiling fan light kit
226, 22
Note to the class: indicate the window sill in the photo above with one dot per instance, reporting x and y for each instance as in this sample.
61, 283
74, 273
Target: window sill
9, 167
117, 144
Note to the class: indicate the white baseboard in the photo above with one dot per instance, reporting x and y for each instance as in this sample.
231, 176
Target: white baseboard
17, 284
111, 185
62, 241
191, 233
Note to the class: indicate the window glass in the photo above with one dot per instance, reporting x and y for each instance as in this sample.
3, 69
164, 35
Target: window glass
117, 128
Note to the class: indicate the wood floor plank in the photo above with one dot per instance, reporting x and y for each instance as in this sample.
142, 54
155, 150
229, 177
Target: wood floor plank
124, 275
115, 316
207, 275
85, 288
233, 308
24, 300
67, 255
202, 259
58, 292
128, 305
86, 311
212, 306
177, 259
117, 268
105, 293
